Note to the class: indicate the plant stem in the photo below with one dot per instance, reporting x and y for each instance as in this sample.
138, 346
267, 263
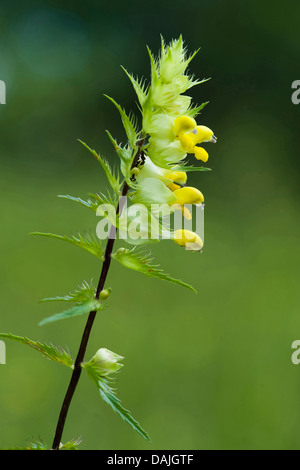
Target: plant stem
88, 327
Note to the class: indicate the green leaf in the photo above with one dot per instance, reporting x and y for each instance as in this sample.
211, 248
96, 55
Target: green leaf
129, 123
84, 292
112, 178
194, 111
87, 242
50, 351
108, 394
112, 199
71, 445
187, 168
90, 204
38, 444
94, 201
140, 87
124, 153
79, 309
140, 262
154, 68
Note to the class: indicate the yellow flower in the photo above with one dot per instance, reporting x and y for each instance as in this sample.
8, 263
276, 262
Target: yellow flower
173, 186
200, 154
177, 177
187, 195
202, 134
184, 124
189, 134
190, 240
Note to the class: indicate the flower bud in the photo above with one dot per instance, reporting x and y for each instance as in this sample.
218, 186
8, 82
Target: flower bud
106, 361
135, 171
104, 294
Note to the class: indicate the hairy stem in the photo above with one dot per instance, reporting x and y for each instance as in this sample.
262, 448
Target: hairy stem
89, 324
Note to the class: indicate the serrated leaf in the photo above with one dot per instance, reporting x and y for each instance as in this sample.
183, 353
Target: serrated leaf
154, 68
94, 201
108, 394
71, 445
90, 204
194, 111
112, 199
84, 292
140, 87
124, 153
87, 242
50, 351
140, 262
129, 123
38, 444
112, 177
79, 309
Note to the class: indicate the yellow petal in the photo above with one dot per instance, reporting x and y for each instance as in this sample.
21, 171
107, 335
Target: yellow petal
188, 195
200, 153
189, 239
185, 212
173, 186
184, 124
201, 134
186, 143
177, 177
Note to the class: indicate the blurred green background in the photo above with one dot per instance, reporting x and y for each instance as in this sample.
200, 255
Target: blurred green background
206, 371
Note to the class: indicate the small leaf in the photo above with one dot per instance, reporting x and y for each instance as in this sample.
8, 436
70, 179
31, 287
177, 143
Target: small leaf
112, 178
91, 204
140, 262
71, 445
38, 444
194, 111
50, 351
187, 168
84, 292
125, 154
140, 87
79, 309
94, 201
154, 68
87, 242
112, 199
108, 394
129, 123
